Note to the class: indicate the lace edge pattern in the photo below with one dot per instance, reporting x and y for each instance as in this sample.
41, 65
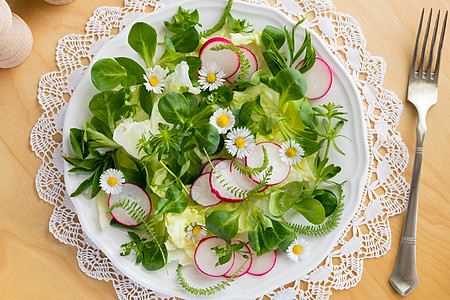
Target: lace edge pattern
368, 233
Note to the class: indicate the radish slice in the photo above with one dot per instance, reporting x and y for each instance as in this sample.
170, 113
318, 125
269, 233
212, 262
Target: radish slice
227, 60
232, 178
207, 167
239, 260
256, 158
253, 61
201, 192
262, 264
134, 193
206, 259
318, 79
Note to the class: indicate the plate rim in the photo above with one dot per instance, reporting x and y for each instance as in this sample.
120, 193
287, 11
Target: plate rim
284, 20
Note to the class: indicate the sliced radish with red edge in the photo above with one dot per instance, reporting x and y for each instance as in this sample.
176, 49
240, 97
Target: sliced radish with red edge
232, 178
206, 259
239, 260
201, 191
318, 79
253, 61
207, 167
262, 265
280, 169
227, 60
134, 193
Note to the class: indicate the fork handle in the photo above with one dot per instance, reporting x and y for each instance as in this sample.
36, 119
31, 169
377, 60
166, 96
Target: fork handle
404, 277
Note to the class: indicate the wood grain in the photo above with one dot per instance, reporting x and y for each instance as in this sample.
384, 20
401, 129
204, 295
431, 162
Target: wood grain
34, 265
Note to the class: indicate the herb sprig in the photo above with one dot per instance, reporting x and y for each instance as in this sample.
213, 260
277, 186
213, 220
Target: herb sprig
152, 254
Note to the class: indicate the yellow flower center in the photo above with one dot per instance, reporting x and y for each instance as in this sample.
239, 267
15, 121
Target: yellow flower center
153, 81
196, 230
112, 181
297, 249
211, 78
223, 121
291, 152
240, 142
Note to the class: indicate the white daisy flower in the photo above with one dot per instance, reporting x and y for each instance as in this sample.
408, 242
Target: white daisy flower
195, 232
291, 153
155, 79
298, 250
240, 142
210, 77
222, 119
111, 181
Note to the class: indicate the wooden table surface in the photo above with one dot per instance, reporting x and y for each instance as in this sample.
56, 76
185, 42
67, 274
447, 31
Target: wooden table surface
34, 265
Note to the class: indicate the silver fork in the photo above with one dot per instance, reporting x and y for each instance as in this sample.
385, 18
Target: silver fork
422, 92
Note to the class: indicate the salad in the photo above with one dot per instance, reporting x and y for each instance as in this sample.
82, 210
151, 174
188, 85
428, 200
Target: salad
205, 149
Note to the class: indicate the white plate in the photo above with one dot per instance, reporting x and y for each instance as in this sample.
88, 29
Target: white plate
354, 163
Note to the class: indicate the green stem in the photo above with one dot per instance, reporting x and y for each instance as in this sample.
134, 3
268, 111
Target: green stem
176, 178
327, 149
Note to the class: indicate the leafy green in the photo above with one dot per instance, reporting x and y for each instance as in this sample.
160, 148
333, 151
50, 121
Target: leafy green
142, 38
186, 41
174, 202
95, 139
107, 74
146, 251
272, 38
311, 209
96, 166
106, 106
310, 54
291, 86
326, 227
207, 138
195, 166
224, 224
132, 68
225, 251
174, 108
182, 21
166, 144
194, 63
268, 234
328, 200
192, 102
146, 100
282, 199
152, 255
267, 122
238, 25
77, 142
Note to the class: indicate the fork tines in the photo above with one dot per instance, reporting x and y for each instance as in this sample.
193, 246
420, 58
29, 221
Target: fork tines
429, 72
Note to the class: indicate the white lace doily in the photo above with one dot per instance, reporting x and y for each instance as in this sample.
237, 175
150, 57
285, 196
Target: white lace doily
385, 194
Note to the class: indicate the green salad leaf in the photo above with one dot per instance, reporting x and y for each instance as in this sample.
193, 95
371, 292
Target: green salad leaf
223, 223
174, 202
132, 68
291, 86
174, 108
142, 38
107, 74
106, 107
207, 138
